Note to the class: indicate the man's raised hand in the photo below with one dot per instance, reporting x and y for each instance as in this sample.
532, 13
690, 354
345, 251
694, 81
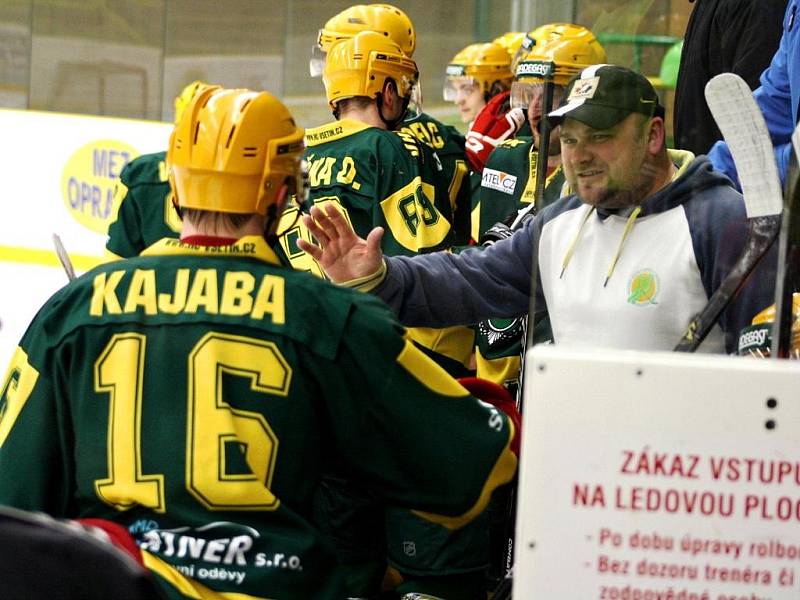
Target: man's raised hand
341, 253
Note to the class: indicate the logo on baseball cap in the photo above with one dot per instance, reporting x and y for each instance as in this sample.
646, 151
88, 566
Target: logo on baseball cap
602, 95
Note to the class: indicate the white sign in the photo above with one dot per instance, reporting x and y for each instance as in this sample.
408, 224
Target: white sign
59, 173
659, 476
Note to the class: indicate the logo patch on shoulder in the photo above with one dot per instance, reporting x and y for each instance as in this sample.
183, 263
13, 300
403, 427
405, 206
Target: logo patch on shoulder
584, 89
497, 180
643, 288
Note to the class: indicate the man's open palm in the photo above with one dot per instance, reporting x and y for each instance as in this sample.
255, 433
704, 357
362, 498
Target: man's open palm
341, 253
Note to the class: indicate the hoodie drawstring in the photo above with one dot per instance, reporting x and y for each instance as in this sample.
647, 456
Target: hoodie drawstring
574, 243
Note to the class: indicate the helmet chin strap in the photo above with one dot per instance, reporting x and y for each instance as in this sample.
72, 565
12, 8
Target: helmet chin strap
273, 216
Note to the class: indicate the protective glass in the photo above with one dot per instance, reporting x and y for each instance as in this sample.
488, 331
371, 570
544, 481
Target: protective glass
525, 92
456, 87
316, 64
415, 104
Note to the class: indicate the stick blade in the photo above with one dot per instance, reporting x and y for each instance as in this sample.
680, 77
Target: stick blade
742, 125
61, 252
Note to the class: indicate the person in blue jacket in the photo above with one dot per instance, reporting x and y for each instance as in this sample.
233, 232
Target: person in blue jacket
778, 97
625, 262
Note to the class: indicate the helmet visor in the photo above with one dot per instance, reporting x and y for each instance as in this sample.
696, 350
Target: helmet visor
523, 93
529, 95
316, 64
415, 104
459, 87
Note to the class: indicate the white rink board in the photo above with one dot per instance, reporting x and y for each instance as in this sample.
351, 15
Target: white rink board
634, 477
47, 158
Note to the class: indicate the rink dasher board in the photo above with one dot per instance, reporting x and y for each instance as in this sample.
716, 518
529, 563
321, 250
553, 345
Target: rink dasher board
666, 438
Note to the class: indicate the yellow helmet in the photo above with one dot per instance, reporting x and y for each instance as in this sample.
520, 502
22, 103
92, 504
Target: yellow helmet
487, 66
233, 151
559, 58
542, 34
756, 340
385, 19
187, 93
359, 66
511, 41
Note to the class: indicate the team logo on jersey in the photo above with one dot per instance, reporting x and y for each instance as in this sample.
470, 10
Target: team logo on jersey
409, 548
497, 180
643, 288
501, 330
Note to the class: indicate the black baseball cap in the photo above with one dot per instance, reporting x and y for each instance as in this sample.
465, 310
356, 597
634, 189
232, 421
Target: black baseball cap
602, 95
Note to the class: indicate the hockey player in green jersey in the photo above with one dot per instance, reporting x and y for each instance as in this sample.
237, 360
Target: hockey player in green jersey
509, 178
145, 212
196, 393
378, 176
508, 182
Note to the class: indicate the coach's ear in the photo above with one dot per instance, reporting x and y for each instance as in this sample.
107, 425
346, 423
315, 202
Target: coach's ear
656, 135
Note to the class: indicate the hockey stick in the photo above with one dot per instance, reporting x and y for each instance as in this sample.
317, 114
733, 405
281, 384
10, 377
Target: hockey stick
788, 256
504, 589
742, 125
61, 252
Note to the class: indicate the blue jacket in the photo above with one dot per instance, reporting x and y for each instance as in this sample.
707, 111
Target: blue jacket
778, 97
680, 248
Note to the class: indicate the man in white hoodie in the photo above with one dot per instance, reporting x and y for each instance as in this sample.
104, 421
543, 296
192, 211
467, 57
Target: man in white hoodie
625, 262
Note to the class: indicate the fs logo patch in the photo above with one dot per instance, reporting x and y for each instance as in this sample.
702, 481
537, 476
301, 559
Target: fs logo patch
643, 288
497, 180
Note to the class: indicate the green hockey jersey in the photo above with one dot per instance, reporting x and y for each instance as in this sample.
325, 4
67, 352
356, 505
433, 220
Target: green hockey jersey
508, 182
145, 213
448, 143
197, 394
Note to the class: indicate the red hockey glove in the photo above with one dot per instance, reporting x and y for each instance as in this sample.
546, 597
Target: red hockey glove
116, 534
494, 124
499, 397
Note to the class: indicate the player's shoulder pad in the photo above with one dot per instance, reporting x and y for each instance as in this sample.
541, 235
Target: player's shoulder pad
510, 155
146, 169
409, 141
426, 125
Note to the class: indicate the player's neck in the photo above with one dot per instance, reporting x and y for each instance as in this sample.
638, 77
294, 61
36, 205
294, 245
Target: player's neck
219, 228
367, 115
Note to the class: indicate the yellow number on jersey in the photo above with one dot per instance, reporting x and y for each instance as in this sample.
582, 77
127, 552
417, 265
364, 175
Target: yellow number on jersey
292, 228
17, 388
211, 425
212, 421
119, 372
